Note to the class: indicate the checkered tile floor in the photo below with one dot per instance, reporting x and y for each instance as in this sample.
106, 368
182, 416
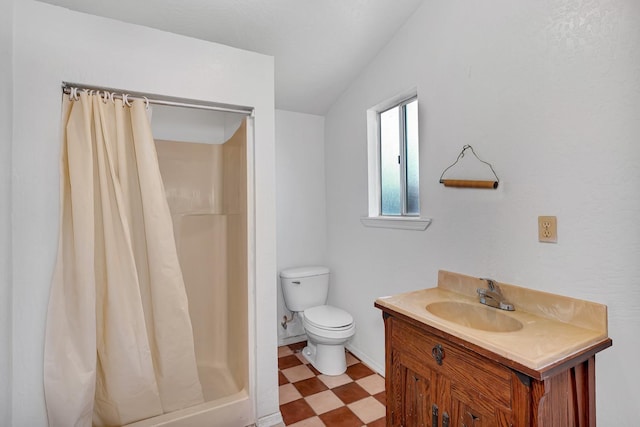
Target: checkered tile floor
310, 399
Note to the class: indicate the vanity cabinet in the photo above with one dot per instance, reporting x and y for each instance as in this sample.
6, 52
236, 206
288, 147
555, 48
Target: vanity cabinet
434, 382
435, 379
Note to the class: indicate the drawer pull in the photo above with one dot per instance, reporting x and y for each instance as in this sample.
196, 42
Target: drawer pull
438, 353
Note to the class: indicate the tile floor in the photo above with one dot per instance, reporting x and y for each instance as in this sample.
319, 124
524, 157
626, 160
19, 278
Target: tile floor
310, 399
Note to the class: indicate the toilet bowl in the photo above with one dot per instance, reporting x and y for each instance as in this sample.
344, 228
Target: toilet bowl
328, 328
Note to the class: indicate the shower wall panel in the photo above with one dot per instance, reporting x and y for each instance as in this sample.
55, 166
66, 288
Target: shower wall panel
235, 206
206, 187
192, 176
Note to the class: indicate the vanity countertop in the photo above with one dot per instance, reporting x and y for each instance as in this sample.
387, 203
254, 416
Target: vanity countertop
554, 327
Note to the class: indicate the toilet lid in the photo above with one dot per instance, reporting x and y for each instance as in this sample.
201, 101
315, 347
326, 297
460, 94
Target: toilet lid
326, 316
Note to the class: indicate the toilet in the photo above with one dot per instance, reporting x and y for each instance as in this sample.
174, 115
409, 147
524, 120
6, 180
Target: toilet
328, 328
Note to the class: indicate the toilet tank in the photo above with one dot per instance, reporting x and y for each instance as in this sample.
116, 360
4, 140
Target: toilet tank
304, 287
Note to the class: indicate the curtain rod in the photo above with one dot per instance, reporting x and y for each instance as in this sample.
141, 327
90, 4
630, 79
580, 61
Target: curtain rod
162, 100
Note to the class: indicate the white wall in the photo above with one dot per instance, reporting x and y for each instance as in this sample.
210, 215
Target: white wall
549, 92
190, 125
301, 201
6, 114
53, 44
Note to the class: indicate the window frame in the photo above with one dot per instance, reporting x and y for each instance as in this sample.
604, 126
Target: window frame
375, 217
402, 149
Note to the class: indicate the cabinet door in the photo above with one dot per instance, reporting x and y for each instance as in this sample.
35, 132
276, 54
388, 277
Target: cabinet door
415, 408
469, 417
466, 415
410, 397
482, 393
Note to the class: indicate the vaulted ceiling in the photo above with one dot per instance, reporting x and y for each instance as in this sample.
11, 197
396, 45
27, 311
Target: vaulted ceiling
319, 46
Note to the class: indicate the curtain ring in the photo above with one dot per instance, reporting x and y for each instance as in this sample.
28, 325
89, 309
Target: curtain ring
104, 96
125, 100
146, 103
73, 95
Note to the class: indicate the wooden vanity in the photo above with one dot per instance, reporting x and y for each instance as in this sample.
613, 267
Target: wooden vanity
442, 374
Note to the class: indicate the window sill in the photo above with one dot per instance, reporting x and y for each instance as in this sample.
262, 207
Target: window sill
400, 223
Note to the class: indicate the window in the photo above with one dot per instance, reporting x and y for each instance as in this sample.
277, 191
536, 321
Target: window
394, 184
399, 186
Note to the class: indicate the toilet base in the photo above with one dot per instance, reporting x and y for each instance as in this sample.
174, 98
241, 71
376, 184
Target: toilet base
328, 359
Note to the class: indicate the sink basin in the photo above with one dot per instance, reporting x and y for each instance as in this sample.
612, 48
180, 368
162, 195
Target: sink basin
474, 316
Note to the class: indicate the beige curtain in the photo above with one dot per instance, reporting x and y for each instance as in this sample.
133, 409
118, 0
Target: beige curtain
119, 343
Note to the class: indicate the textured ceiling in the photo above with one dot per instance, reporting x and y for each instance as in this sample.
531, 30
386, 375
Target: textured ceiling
319, 45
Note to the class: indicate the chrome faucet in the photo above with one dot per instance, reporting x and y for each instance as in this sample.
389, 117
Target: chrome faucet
493, 296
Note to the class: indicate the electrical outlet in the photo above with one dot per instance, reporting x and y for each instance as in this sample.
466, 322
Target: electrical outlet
548, 229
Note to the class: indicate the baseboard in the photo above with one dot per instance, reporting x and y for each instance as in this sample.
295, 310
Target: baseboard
366, 360
271, 420
291, 340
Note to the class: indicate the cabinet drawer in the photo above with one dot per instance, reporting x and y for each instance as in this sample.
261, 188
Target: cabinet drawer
481, 381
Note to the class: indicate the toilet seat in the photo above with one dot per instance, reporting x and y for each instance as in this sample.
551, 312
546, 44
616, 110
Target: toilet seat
328, 318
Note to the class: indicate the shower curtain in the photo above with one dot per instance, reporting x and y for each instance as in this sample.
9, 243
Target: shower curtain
118, 343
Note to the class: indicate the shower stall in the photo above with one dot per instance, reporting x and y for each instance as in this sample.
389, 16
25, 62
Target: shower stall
206, 188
